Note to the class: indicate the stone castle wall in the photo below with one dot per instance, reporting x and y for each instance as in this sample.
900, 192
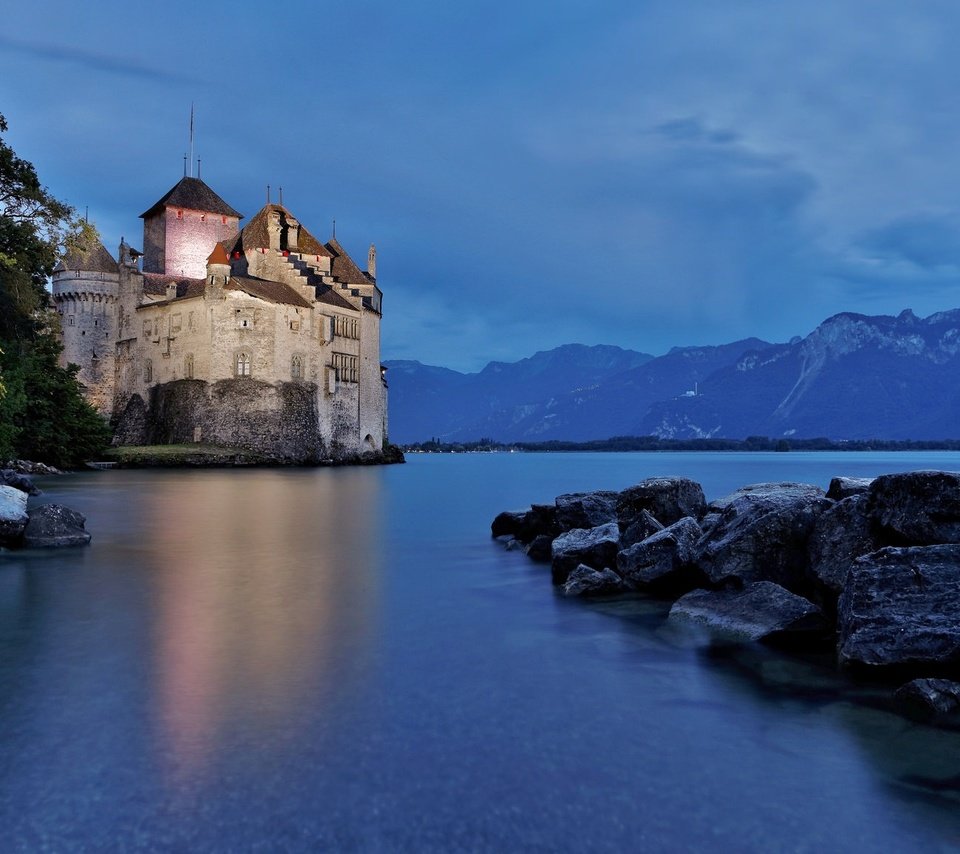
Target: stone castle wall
177, 241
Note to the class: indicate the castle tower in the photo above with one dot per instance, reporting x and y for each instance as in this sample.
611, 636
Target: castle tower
180, 230
85, 293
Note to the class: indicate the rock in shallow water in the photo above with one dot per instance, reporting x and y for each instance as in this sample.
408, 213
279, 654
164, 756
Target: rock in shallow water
917, 508
596, 547
585, 510
929, 700
53, 525
763, 611
586, 581
13, 515
900, 609
667, 499
665, 562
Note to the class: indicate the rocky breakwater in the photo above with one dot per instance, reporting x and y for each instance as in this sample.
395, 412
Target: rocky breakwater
38, 525
869, 568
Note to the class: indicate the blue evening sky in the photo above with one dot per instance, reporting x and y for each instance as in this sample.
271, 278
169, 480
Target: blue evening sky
646, 174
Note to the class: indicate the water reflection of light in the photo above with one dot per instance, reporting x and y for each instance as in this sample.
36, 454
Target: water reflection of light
267, 587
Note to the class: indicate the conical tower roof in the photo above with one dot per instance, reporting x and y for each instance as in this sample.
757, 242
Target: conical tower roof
91, 257
194, 195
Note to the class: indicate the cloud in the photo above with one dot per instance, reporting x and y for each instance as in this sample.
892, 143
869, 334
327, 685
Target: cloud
107, 63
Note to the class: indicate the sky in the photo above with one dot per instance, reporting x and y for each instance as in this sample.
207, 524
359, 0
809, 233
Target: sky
646, 174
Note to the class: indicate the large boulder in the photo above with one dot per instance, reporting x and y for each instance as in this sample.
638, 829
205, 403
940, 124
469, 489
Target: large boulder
13, 515
760, 533
665, 562
20, 481
667, 499
596, 547
844, 487
763, 611
918, 508
525, 525
586, 581
53, 525
900, 611
585, 510
540, 548
931, 701
641, 528
840, 535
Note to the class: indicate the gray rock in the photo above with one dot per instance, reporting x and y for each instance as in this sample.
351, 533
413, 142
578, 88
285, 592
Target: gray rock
761, 535
641, 528
919, 508
665, 562
667, 499
931, 701
525, 525
53, 525
585, 509
586, 581
763, 611
900, 609
13, 515
23, 482
844, 487
596, 547
541, 548
840, 535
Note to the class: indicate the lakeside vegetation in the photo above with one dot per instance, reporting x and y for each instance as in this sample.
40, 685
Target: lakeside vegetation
654, 443
43, 415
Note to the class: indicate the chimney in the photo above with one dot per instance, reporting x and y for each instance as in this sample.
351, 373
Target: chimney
172, 290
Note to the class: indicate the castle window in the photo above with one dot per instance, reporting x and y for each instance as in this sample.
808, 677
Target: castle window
203, 217
70, 320
146, 329
148, 371
223, 220
179, 214
188, 366
296, 367
243, 365
190, 321
176, 323
294, 325
345, 367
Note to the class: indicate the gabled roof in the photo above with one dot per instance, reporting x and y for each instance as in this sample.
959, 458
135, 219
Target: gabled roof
342, 266
91, 258
194, 195
269, 291
254, 235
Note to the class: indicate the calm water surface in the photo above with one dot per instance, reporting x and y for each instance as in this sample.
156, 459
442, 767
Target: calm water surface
343, 660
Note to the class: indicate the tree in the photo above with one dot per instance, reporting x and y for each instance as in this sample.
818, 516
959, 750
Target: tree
43, 415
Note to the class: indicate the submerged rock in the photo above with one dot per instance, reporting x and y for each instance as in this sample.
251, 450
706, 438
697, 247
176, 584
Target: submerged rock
763, 611
900, 609
586, 581
53, 525
761, 533
930, 701
918, 508
13, 514
525, 525
20, 481
596, 547
667, 499
665, 562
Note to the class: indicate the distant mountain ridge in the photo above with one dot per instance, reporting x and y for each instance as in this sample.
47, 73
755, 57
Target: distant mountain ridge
854, 377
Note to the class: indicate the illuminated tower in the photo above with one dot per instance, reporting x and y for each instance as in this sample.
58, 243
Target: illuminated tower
181, 229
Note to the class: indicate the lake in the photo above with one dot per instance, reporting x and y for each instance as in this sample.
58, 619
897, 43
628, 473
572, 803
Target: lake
342, 659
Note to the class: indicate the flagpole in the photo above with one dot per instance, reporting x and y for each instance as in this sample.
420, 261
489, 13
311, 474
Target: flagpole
191, 139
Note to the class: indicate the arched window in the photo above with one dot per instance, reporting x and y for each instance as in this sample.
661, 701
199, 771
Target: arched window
188, 366
243, 364
296, 367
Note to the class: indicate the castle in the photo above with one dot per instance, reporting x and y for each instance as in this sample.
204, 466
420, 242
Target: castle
259, 337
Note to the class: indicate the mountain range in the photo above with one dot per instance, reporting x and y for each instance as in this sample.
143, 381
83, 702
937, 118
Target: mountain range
853, 377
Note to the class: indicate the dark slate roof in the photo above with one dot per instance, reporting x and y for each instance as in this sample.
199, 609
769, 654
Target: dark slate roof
194, 195
155, 284
91, 258
327, 294
269, 291
254, 235
342, 266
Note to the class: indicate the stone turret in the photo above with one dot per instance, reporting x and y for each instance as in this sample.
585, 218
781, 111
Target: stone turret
218, 272
372, 262
85, 292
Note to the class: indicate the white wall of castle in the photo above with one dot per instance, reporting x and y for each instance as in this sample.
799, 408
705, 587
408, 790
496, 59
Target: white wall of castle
177, 241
